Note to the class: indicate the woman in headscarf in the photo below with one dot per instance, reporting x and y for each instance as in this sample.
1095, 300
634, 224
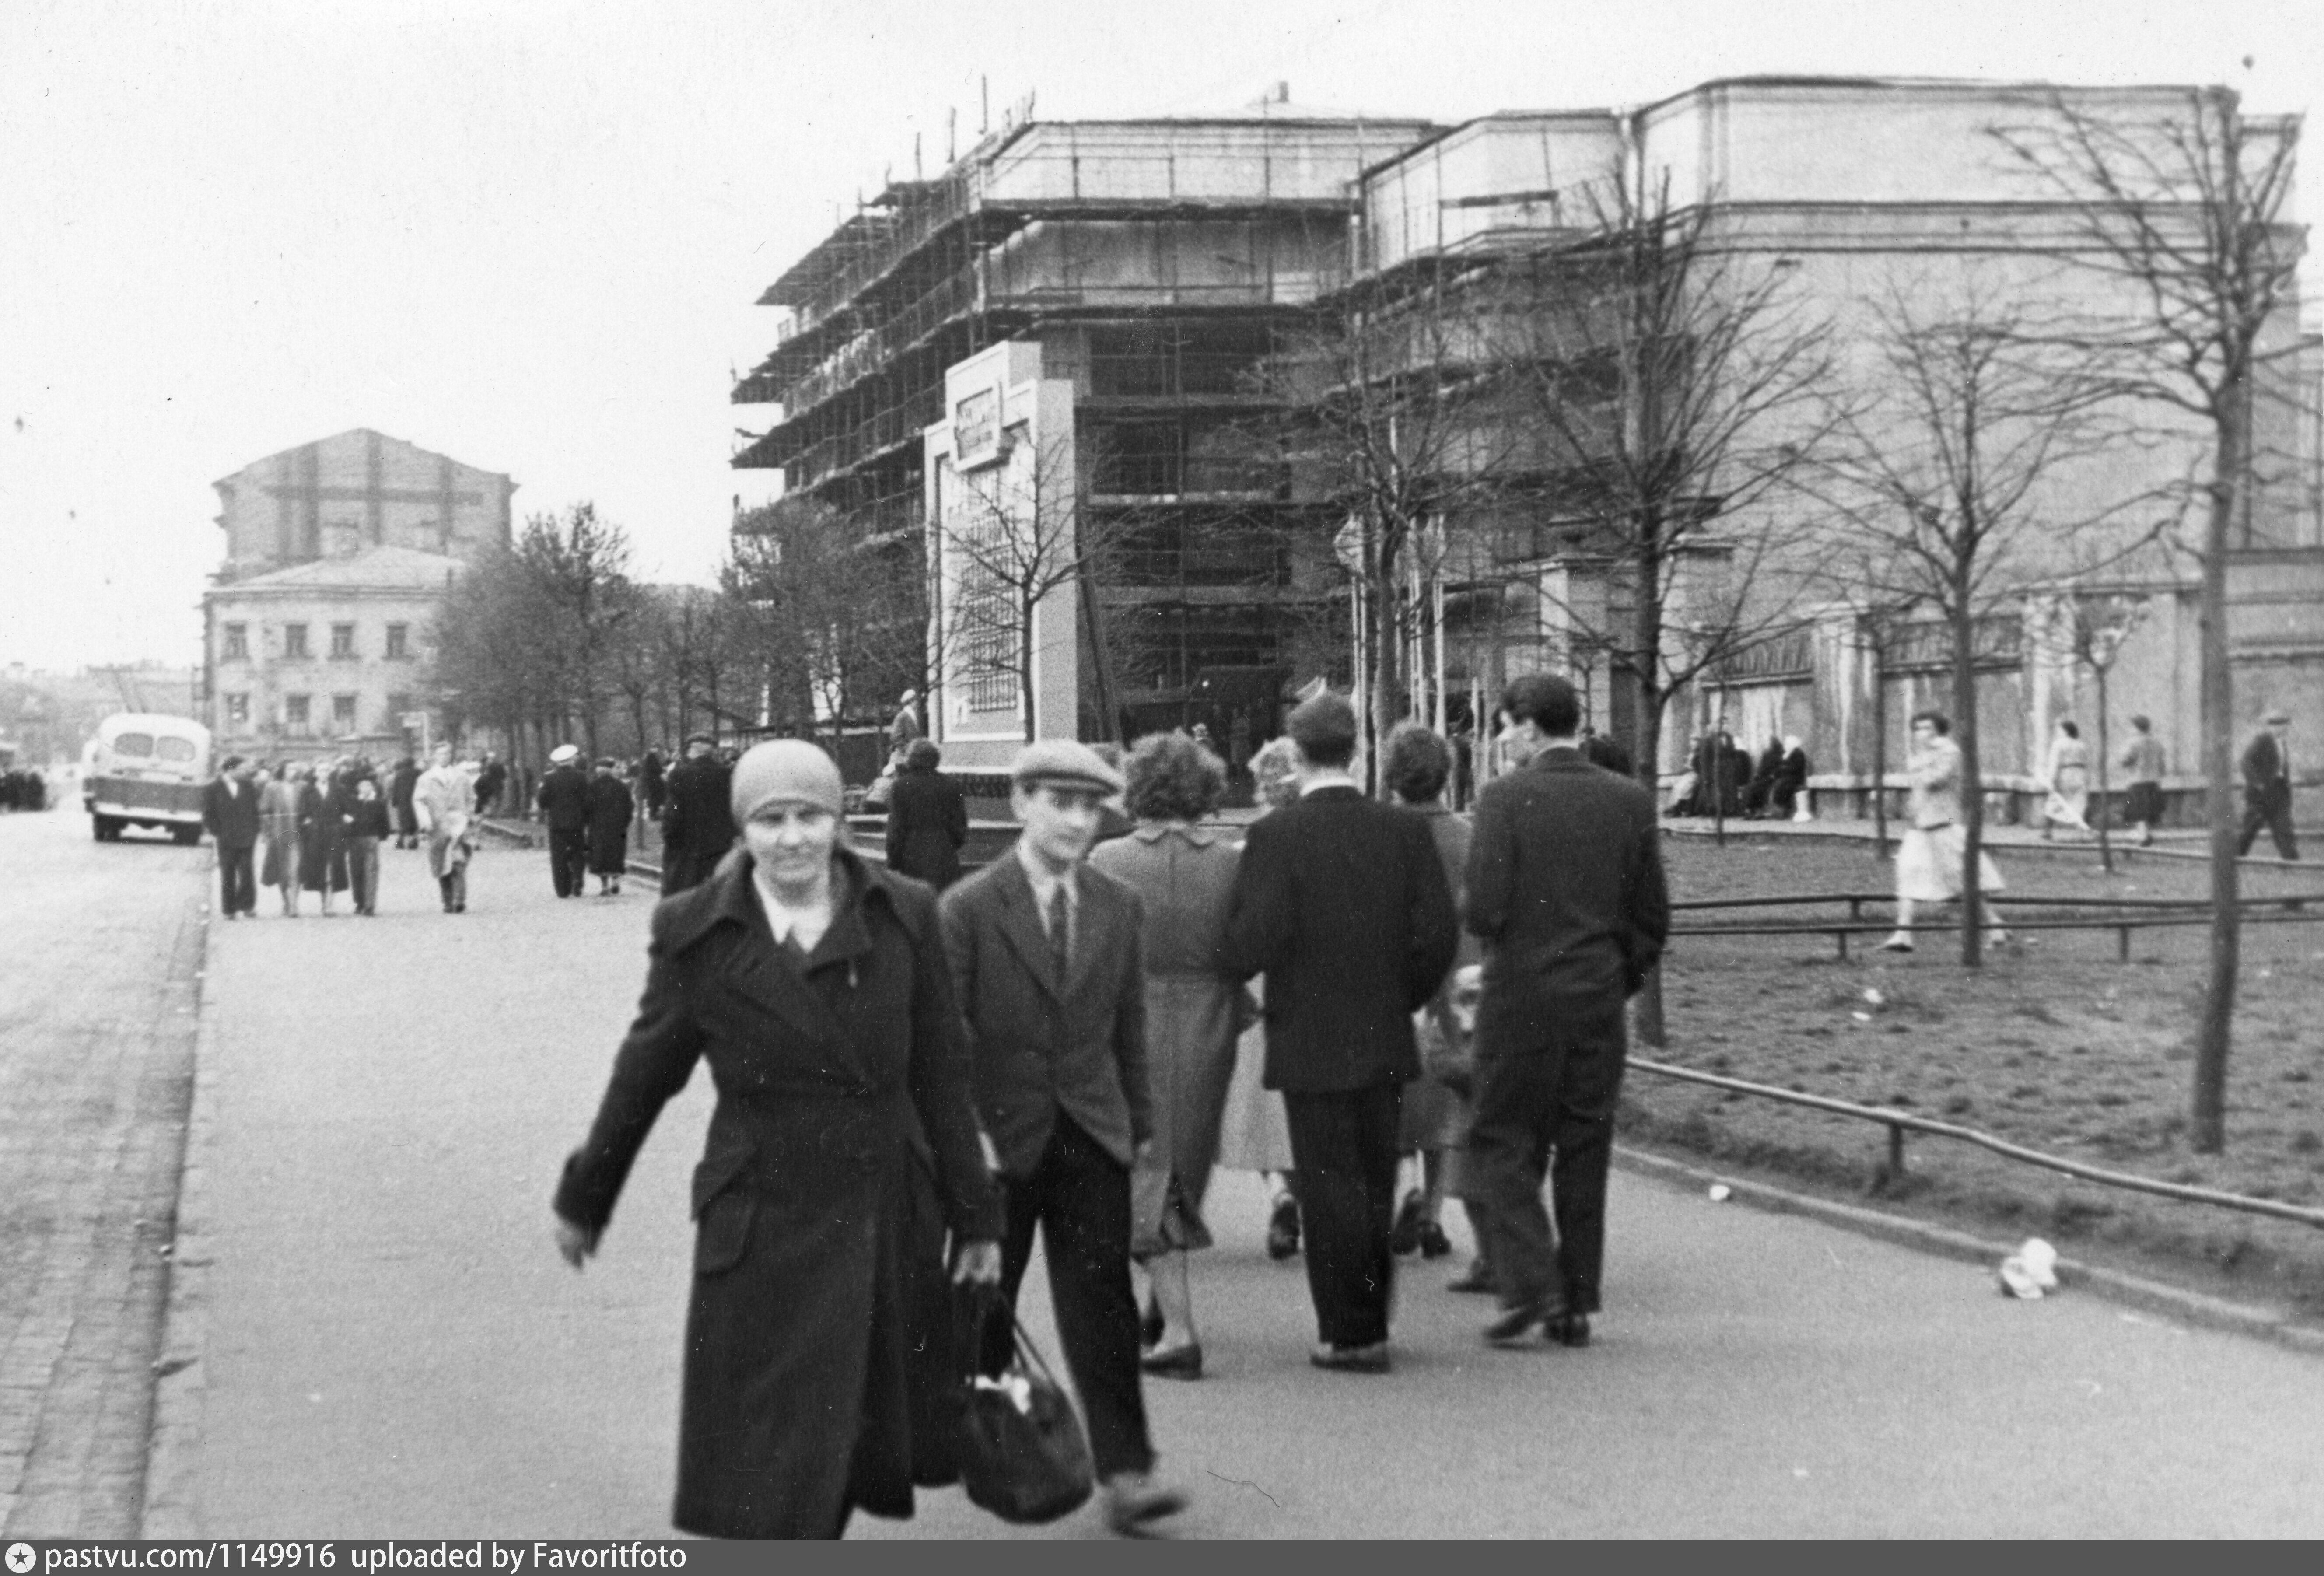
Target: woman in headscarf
814, 985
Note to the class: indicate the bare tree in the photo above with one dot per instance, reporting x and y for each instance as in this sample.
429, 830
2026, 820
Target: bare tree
2189, 214
1681, 391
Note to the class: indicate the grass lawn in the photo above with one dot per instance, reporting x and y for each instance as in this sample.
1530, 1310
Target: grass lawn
2054, 1044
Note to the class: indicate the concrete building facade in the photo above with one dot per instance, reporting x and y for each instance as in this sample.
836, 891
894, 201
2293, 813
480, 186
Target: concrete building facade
319, 627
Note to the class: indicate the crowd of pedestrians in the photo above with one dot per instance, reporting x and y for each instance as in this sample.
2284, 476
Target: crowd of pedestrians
1052, 1047
22, 788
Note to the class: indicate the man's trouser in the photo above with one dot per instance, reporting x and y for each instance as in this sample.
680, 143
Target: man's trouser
1548, 1111
569, 860
1343, 1147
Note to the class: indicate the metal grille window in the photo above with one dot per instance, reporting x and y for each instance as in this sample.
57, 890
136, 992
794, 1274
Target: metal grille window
988, 623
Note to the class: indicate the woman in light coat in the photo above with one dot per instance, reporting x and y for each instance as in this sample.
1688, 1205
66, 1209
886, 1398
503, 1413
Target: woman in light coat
278, 814
2068, 775
1183, 876
1929, 857
443, 799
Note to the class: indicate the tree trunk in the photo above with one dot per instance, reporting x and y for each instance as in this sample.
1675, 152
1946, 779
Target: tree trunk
1387, 702
1646, 735
1024, 610
1972, 782
2106, 846
2214, 1032
1880, 747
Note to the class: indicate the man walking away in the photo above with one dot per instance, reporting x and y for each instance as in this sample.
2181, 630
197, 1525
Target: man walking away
610, 809
490, 782
699, 827
2143, 806
2267, 787
1565, 887
400, 784
442, 799
1343, 904
230, 815
1044, 955
565, 811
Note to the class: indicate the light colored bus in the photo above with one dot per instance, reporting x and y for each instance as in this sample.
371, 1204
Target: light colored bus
147, 769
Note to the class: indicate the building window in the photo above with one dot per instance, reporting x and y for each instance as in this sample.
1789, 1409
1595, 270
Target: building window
294, 714
294, 640
237, 642
238, 711
342, 640
342, 713
398, 638
398, 706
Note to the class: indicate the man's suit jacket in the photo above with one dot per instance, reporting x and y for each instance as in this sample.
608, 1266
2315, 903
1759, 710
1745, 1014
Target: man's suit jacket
2262, 765
928, 822
1566, 890
231, 815
563, 799
700, 820
1343, 904
1044, 1045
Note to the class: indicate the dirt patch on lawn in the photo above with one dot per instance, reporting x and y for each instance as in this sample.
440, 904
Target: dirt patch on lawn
2053, 1044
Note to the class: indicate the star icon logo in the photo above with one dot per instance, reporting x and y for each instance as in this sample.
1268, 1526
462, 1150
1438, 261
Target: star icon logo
19, 1558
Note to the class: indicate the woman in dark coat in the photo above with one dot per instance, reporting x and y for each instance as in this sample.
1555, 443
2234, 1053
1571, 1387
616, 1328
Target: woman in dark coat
928, 819
844, 1104
609, 808
322, 859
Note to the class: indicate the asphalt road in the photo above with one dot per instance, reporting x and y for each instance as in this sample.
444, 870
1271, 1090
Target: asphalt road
100, 946
390, 1348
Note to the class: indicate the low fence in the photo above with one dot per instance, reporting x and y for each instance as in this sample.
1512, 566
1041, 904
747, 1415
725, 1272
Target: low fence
1900, 1122
2120, 914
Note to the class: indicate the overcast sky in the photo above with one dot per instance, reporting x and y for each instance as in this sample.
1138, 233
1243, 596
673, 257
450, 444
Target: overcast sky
528, 235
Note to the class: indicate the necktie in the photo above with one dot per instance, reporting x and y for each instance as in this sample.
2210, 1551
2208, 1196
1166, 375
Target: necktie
1061, 940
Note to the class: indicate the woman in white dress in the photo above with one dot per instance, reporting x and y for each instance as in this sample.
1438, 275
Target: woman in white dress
2068, 780
1929, 859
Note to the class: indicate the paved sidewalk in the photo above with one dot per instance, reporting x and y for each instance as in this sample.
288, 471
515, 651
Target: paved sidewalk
103, 944
391, 1346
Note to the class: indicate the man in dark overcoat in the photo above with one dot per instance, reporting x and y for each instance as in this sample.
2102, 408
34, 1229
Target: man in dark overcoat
230, 814
815, 987
1046, 963
2267, 788
400, 784
698, 829
610, 810
565, 811
928, 819
1342, 903
1565, 887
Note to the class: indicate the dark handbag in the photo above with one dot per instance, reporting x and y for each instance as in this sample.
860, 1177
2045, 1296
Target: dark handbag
1021, 1451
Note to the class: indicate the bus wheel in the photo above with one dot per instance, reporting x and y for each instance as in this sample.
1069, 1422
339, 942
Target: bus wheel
105, 828
186, 836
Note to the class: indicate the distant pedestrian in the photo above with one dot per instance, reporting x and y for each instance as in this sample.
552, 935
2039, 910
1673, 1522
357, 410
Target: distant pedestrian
1343, 904
491, 782
400, 784
444, 801
322, 852
1929, 856
2067, 776
364, 823
563, 800
1046, 964
1254, 1134
610, 809
1183, 874
906, 725
1790, 795
1566, 889
281, 806
652, 770
230, 813
928, 819
2267, 788
817, 988
698, 829
2143, 806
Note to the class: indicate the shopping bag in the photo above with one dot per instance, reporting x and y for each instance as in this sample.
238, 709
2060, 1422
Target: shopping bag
1021, 1451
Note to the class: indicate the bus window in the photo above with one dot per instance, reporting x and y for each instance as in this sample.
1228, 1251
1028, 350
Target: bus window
175, 749
133, 744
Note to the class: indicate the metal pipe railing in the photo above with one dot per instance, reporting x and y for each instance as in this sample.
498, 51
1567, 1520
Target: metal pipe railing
1899, 1122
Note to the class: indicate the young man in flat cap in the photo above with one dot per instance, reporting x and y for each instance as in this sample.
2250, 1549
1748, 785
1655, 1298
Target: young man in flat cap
1343, 904
699, 827
563, 799
2267, 788
1046, 963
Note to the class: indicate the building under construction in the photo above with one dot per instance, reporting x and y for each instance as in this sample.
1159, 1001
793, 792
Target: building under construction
1146, 270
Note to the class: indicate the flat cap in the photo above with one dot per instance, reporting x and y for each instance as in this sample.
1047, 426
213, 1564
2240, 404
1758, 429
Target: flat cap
1063, 760
563, 754
2277, 717
1326, 723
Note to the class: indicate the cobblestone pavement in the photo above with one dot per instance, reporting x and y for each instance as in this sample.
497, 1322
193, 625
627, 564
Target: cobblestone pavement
103, 943
391, 1346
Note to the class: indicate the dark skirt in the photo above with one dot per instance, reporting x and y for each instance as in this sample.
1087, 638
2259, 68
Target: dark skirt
609, 853
2143, 803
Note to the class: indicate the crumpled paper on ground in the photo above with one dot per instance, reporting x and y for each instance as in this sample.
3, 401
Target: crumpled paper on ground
2030, 1273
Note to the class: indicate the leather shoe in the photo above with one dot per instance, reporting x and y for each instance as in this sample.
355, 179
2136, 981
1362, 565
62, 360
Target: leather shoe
1134, 1502
1177, 1362
1283, 1230
1368, 1358
1434, 1242
1567, 1329
1515, 1323
1404, 1237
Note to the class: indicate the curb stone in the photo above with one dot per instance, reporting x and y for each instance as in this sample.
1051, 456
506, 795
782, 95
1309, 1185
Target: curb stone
171, 1507
2189, 1307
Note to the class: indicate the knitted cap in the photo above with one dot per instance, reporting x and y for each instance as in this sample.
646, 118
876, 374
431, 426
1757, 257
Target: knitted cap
785, 771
